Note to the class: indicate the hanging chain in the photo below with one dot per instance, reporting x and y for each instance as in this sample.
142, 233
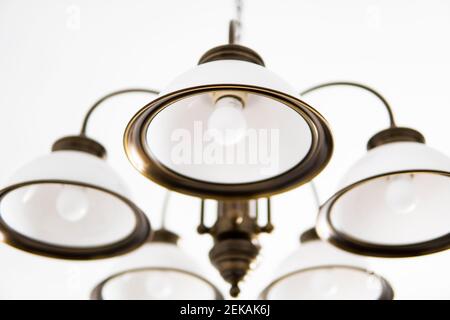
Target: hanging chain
236, 24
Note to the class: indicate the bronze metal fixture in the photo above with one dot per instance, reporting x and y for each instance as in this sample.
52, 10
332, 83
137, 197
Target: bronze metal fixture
132, 241
158, 236
234, 30
327, 231
395, 134
97, 292
356, 85
80, 143
235, 240
164, 236
309, 235
100, 101
387, 293
148, 165
232, 52
325, 227
313, 163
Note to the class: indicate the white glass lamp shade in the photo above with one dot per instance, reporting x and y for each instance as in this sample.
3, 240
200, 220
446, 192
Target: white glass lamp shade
157, 271
318, 271
395, 201
70, 204
228, 128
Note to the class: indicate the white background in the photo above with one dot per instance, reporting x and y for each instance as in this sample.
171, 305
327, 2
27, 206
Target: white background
53, 66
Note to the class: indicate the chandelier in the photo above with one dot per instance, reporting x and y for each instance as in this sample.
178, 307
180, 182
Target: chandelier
232, 131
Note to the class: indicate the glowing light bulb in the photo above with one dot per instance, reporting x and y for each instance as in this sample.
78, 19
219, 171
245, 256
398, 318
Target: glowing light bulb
227, 123
72, 203
158, 287
400, 195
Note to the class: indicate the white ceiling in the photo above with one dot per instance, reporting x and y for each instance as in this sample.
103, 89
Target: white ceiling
52, 69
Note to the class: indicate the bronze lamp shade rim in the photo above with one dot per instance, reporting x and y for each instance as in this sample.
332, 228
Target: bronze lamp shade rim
387, 293
20, 241
328, 232
97, 294
146, 163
